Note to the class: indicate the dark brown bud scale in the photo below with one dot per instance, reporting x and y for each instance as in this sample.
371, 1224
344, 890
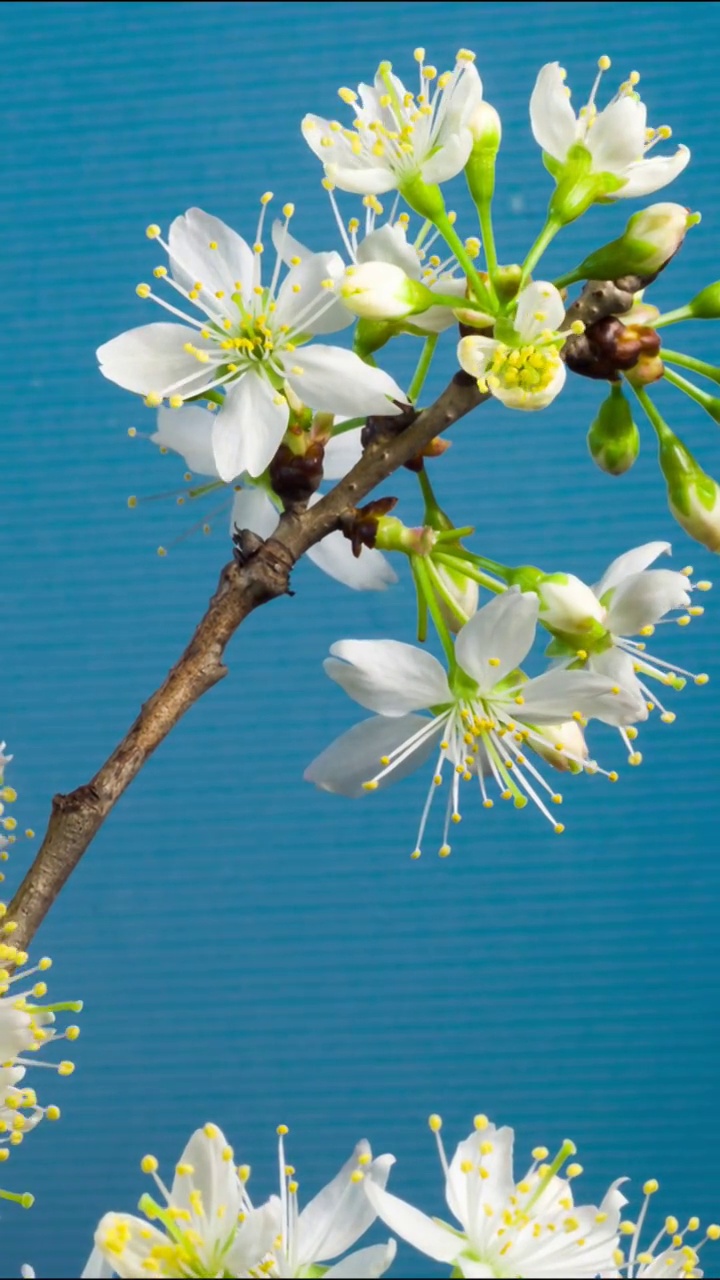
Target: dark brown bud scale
296, 476
359, 524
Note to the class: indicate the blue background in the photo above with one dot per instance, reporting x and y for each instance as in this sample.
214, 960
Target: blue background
250, 950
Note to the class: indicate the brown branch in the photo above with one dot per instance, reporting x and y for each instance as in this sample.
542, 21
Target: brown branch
76, 818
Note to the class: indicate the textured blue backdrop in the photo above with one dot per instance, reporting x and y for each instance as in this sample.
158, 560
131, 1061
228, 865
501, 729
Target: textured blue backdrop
250, 950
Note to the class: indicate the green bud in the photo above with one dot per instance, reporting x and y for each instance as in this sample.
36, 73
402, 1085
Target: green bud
371, 335
706, 304
613, 438
463, 592
507, 281
649, 240
484, 125
693, 496
392, 535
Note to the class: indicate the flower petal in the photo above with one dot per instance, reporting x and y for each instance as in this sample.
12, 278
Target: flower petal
341, 453
646, 176
558, 694
361, 180
138, 1237
630, 562
369, 571
551, 116
502, 631
420, 1231
389, 244
255, 1237
475, 352
152, 359
96, 1267
337, 381
253, 509
539, 307
643, 599
248, 428
449, 159
617, 666
466, 1200
388, 676
617, 136
355, 757
188, 431
227, 269
339, 1214
364, 1264
213, 1176
305, 304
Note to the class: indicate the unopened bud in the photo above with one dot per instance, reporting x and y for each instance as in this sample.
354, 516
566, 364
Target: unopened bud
706, 304
562, 745
613, 438
382, 291
567, 604
650, 239
693, 495
485, 127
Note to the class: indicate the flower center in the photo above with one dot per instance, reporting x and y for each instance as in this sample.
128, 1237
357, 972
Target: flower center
529, 369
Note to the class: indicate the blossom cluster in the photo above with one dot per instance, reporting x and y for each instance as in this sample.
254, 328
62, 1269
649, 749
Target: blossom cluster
205, 1223
27, 1021
262, 409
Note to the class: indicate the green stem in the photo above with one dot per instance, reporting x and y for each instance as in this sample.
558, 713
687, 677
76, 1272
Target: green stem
423, 367
457, 562
488, 237
570, 277
690, 362
672, 317
654, 416
547, 234
425, 586
709, 403
350, 425
452, 239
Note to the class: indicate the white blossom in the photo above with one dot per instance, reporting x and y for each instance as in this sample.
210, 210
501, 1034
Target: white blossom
250, 343
529, 1228
207, 1225
188, 432
522, 365
611, 144
398, 137
483, 718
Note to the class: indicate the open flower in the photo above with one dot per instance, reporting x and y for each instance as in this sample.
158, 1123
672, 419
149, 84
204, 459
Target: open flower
398, 137
188, 431
608, 148
508, 1228
522, 365
671, 1254
248, 342
331, 1222
207, 1225
629, 600
483, 718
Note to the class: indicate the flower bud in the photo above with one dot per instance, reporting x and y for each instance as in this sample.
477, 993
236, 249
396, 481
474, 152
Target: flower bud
650, 239
485, 127
693, 496
556, 740
613, 438
382, 291
706, 304
464, 592
567, 604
